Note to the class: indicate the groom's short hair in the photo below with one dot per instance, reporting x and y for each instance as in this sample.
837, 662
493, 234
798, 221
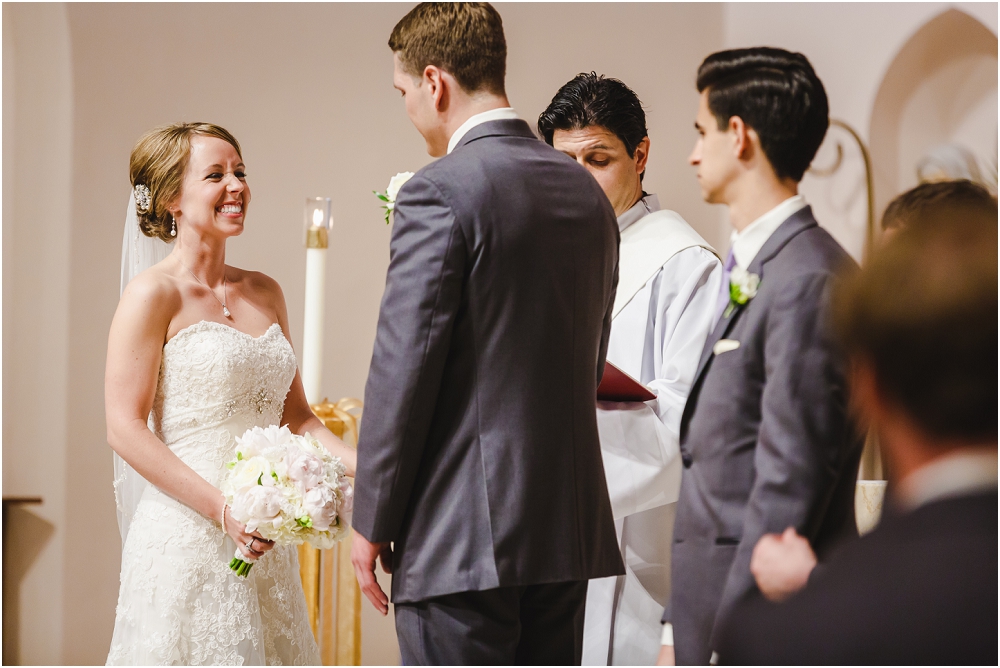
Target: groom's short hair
775, 92
464, 39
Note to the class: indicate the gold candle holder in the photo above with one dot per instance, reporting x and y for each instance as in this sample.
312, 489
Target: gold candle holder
333, 598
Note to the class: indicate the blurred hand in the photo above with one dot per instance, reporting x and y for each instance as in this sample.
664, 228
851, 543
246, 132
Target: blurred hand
781, 564
363, 555
666, 657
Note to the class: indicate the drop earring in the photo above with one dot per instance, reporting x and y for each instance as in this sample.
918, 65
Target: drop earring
173, 226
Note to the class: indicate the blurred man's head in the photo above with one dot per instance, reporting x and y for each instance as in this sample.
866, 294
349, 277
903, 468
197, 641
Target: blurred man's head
756, 101
444, 56
599, 122
926, 198
919, 323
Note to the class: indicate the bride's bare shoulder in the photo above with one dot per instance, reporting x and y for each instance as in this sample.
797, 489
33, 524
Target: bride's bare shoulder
153, 292
259, 284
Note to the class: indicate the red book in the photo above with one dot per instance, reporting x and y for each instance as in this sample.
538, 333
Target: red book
616, 385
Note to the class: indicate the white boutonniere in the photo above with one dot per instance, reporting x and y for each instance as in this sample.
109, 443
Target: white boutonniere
389, 196
742, 288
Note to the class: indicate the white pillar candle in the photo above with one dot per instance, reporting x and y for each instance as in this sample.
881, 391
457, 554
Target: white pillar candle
312, 340
318, 222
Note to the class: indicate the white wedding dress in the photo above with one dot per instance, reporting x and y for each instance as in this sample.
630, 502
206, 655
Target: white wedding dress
179, 602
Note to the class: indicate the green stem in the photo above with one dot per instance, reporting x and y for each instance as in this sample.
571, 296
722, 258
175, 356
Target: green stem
240, 567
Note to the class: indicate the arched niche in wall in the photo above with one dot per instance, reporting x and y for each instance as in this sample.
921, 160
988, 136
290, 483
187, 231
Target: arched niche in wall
940, 88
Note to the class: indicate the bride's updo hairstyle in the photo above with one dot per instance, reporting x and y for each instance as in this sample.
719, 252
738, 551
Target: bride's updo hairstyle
158, 162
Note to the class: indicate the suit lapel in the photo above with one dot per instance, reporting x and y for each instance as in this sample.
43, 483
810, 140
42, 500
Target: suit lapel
797, 222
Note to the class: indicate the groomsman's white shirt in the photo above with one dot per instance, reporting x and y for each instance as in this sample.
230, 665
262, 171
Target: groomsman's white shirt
657, 337
746, 245
501, 114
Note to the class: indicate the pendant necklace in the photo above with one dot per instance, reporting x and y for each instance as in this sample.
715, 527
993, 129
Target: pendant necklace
225, 309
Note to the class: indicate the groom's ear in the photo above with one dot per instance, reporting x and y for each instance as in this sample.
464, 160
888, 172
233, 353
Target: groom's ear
434, 79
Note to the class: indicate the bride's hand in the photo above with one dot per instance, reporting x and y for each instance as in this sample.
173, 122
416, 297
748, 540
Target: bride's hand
250, 544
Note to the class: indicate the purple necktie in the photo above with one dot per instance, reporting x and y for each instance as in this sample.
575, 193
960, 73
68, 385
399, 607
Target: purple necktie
727, 269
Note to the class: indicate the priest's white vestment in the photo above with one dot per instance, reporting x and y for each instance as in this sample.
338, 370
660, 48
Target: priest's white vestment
668, 289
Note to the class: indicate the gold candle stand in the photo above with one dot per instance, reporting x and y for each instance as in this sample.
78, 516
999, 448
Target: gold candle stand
333, 597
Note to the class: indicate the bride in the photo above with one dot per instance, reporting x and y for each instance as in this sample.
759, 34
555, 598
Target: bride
198, 353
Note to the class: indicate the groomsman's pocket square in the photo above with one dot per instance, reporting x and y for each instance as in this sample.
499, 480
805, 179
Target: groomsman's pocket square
724, 346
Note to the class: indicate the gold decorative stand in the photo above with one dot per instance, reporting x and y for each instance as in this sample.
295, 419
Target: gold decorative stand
333, 597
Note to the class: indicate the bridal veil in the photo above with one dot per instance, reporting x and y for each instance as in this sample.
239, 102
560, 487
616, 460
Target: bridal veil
139, 252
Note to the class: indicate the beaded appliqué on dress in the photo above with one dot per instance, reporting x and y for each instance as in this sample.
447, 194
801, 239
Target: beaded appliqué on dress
179, 603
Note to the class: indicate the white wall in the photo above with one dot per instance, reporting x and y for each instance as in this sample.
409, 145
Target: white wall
851, 46
37, 215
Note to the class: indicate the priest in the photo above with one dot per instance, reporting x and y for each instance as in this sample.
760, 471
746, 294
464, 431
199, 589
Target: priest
669, 281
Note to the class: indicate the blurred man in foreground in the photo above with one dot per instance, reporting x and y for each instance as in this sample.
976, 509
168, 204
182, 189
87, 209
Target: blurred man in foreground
920, 325
782, 563
927, 197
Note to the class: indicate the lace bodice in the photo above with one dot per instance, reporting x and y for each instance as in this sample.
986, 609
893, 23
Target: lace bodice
179, 603
216, 378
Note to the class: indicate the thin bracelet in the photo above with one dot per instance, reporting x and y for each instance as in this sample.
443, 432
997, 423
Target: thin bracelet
224, 506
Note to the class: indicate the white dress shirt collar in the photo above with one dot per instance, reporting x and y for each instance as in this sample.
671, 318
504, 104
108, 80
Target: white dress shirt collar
747, 244
958, 474
501, 114
646, 205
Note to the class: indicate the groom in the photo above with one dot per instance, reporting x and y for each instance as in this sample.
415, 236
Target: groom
480, 483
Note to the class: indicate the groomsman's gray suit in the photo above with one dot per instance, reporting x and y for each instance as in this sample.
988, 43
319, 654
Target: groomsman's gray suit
479, 455
765, 437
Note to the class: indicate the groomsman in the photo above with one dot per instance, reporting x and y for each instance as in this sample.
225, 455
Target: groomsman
668, 284
480, 483
765, 438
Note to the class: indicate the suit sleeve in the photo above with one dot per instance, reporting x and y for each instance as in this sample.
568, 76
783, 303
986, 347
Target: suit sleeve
803, 438
602, 352
422, 295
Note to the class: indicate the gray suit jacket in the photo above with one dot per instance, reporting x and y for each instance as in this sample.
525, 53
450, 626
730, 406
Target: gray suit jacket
765, 436
479, 456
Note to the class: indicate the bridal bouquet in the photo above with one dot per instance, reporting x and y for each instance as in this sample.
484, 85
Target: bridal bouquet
288, 488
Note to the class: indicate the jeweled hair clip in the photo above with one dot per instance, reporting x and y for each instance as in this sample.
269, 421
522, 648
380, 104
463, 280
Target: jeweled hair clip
142, 198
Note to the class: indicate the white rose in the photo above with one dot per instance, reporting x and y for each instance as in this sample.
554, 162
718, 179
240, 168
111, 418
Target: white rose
303, 468
248, 472
745, 282
320, 503
309, 443
395, 183
256, 505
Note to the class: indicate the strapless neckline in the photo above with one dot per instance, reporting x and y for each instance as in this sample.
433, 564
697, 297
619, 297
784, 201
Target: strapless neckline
203, 325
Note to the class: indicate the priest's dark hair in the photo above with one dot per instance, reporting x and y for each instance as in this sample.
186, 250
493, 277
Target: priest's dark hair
593, 99
775, 92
